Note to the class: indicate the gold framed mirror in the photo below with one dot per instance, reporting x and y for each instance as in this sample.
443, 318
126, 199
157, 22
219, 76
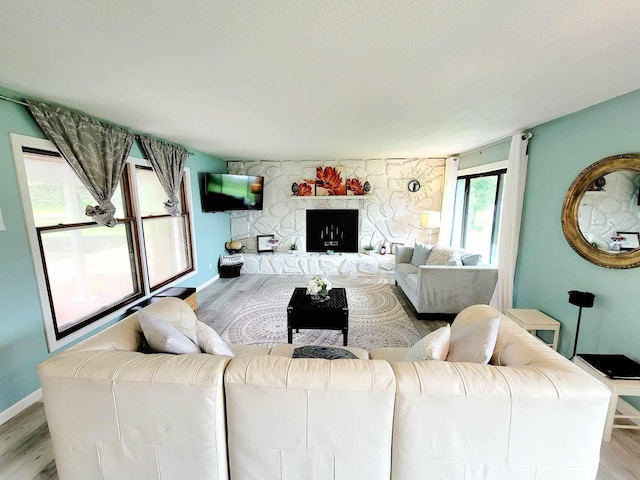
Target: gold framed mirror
601, 212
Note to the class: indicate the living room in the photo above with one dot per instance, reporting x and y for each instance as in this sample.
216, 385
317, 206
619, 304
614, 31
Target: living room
597, 124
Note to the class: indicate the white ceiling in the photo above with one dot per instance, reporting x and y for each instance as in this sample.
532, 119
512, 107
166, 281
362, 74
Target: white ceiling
323, 79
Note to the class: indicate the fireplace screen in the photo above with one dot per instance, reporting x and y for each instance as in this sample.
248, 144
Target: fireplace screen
331, 229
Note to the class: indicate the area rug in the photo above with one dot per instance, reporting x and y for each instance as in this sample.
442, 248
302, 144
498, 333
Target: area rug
376, 318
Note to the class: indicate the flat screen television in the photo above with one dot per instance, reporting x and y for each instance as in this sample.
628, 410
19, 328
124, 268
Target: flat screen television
222, 192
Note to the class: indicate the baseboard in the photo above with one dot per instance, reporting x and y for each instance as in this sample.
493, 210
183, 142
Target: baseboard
23, 404
208, 282
626, 408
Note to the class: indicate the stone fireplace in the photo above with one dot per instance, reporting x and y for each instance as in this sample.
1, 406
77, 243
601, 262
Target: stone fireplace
332, 229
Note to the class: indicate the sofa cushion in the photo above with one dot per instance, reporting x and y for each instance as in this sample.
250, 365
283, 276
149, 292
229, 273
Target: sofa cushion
421, 252
251, 349
454, 261
472, 259
164, 337
434, 346
475, 342
441, 254
210, 342
178, 313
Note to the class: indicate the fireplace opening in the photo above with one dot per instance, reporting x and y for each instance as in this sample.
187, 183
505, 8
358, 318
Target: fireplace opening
330, 229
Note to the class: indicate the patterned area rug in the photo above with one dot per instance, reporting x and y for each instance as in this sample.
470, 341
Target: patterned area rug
376, 318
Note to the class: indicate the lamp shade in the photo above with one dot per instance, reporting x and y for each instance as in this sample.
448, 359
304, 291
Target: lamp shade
581, 299
430, 220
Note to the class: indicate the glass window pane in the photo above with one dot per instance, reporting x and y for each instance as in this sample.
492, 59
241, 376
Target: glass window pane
480, 213
89, 270
165, 240
57, 194
151, 195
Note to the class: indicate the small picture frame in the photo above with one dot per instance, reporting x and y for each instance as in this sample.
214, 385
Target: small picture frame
630, 241
266, 243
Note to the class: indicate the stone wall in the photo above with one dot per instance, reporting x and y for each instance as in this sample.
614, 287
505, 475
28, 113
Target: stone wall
388, 212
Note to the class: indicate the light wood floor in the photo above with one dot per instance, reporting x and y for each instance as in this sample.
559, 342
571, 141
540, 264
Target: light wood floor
25, 444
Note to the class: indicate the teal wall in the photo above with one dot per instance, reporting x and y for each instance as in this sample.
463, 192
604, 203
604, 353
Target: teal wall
547, 266
22, 339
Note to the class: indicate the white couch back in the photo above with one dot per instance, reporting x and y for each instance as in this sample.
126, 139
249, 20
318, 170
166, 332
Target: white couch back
309, 418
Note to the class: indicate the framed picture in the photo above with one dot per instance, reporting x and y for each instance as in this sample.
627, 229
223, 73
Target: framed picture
630, 240
267, 243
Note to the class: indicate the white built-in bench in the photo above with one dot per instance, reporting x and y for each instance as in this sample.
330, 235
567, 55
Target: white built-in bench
319, 263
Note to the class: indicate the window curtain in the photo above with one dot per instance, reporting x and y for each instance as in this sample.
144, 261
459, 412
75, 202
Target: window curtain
167, 161
97, 152
448, 200
509, 235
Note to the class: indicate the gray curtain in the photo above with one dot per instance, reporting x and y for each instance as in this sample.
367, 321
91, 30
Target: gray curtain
168, 162
97, 152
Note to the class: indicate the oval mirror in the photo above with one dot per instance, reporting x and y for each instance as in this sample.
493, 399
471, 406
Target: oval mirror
601, 212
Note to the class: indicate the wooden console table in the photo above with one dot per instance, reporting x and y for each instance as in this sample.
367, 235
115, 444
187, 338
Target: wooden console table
533, 320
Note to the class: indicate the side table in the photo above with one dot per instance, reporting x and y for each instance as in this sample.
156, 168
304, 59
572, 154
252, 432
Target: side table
533, 320
617, 387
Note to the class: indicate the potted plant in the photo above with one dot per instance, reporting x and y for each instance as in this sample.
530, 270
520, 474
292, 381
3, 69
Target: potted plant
368, 249
293, 248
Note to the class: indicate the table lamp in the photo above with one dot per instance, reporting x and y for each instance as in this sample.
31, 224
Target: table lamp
430, 220
581, 300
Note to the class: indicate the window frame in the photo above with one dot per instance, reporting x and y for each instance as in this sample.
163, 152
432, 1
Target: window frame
498, 170
19, 143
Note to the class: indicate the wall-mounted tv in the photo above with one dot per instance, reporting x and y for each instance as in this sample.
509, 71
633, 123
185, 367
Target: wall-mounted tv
222, 192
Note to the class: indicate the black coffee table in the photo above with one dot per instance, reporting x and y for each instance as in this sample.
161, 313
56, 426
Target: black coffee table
332, 314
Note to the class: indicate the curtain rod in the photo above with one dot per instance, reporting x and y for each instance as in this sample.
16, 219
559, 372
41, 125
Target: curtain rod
9, 99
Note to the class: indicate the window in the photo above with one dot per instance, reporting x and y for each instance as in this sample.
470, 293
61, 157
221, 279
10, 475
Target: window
476, 219
90, 271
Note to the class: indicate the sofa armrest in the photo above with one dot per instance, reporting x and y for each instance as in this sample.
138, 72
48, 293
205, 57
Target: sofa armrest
450, 289
132, 415
403, 254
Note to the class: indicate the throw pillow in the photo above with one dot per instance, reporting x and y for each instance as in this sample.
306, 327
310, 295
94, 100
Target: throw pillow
164, 337
420, 254
454, 261
210, 342
441, 254
475, 342
328, 353
434, 346
472, 260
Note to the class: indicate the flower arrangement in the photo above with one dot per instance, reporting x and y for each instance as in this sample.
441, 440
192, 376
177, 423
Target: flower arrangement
318, 286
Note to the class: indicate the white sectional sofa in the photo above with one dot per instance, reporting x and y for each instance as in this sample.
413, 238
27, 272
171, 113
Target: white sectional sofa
115, 413
442, 291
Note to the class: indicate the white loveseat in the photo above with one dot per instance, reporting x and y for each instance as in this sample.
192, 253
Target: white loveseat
442, 291
115, 413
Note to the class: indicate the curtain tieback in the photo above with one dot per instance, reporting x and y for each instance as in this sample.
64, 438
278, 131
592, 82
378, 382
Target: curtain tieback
102, 214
